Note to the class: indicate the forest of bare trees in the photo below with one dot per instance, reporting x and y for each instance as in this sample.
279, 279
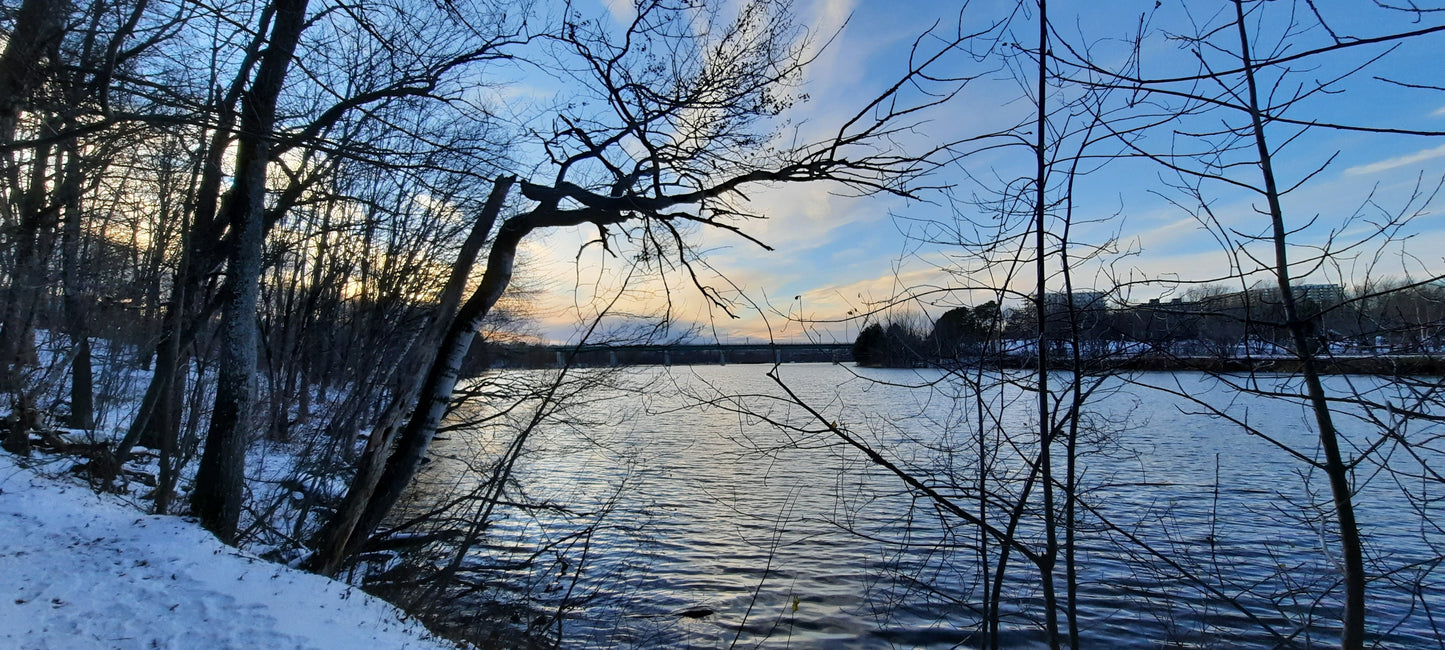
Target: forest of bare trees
232, 225
229, 223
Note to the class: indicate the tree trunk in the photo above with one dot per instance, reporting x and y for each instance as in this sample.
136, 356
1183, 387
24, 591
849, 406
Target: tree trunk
220, 477
82, 381
1352, 637
1045, 415
39, 25
32, 240
332, 541
21, 420
82, 386
200, 251
441, 379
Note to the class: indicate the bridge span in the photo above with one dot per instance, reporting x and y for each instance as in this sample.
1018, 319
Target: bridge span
701, 353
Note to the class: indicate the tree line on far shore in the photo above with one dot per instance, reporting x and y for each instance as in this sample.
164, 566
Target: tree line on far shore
1209, 321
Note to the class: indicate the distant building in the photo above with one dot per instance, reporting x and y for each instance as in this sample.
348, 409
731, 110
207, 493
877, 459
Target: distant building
1327, 295
1083, 300
1324, 295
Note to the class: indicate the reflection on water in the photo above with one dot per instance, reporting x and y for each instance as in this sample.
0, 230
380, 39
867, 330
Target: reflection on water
718, 528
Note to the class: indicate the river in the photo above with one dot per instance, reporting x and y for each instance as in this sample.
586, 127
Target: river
714, 528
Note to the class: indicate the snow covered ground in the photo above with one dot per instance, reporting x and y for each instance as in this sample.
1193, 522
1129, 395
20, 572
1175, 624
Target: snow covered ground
81, 570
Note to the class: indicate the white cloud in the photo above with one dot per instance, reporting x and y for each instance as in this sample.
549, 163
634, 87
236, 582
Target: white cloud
1180, 231
1398, 161
623, 11
804, 214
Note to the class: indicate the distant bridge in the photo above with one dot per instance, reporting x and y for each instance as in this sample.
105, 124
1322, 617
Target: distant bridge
701, 353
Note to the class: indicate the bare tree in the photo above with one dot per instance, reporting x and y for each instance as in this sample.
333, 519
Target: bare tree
1251, 90
669, 145
1112, 132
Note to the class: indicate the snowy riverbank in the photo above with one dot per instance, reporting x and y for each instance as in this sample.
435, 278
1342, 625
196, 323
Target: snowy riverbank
81, 570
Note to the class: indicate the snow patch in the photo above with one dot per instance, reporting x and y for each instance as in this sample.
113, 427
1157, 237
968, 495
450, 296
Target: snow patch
86, 570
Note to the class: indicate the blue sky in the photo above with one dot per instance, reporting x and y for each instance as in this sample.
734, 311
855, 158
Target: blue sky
835, 254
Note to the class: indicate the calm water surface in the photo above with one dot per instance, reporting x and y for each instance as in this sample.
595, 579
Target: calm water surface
785, 539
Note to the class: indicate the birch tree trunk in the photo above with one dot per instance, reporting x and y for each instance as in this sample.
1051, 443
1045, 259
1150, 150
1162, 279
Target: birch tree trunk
332, 541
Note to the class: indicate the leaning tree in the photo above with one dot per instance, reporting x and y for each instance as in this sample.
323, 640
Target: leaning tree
672, 117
